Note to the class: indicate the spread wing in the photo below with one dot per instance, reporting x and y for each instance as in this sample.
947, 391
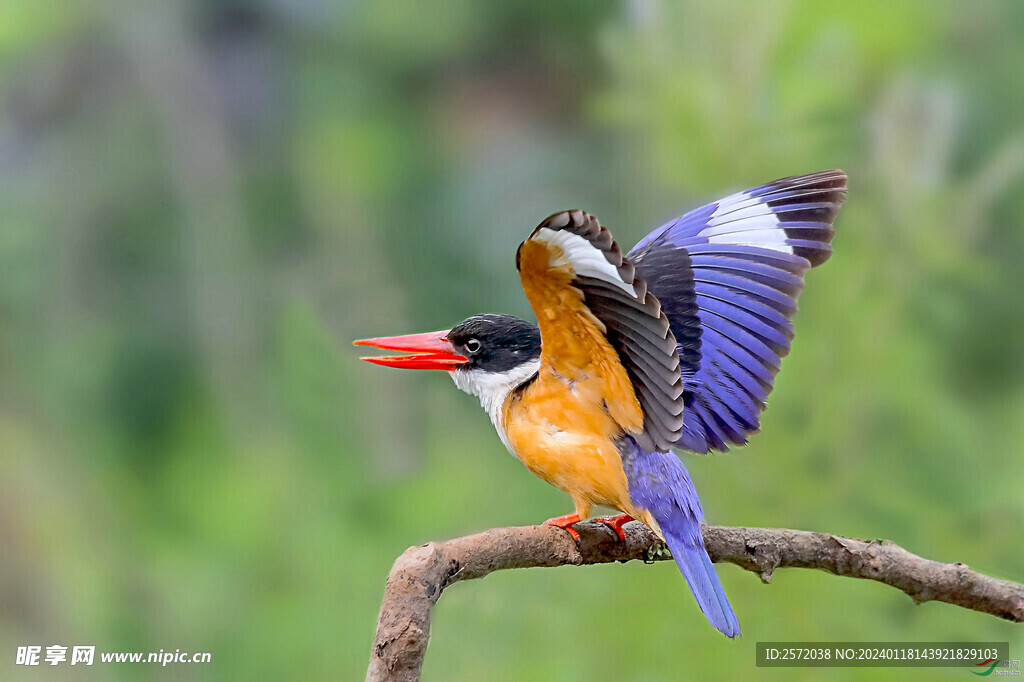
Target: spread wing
597, 318
746, 256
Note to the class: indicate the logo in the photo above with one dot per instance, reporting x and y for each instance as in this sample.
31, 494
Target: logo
993, 666
991, 663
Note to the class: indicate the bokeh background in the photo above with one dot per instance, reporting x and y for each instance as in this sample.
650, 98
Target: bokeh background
202, 203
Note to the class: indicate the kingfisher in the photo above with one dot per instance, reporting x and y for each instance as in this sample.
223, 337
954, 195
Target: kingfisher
673, 346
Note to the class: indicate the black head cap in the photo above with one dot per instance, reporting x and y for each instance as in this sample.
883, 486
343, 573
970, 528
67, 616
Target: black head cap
496, 343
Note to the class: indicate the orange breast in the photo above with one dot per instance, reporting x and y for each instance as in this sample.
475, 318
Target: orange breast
562, 433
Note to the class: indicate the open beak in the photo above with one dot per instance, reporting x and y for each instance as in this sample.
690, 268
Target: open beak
431, 350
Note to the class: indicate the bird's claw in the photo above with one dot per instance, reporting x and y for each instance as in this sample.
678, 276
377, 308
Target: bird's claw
565, 523
616, 523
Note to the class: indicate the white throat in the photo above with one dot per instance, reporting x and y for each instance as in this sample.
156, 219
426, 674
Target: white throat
492, 388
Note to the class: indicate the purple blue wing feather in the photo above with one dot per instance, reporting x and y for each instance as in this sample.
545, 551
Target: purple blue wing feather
745, 257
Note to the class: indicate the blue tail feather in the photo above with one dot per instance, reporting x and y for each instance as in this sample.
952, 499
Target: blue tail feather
696, 566
660, 484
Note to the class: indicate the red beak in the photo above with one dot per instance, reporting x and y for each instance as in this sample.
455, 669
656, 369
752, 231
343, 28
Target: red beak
432, 350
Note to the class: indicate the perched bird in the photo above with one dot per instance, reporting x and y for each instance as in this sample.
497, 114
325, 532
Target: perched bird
672, 346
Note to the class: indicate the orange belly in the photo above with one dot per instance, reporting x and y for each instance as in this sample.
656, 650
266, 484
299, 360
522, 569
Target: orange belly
564, 435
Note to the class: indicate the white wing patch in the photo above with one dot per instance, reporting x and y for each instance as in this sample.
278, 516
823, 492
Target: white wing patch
736, 202
746, 220
582, 257
740, 210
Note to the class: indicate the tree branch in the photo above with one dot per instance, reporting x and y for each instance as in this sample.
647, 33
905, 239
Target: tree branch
422, 573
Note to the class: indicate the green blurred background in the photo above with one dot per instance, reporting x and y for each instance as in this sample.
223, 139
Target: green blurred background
202, 203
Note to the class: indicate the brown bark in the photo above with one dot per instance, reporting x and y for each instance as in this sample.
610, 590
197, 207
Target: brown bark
421, 574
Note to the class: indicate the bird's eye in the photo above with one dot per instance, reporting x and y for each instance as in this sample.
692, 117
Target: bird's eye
473, 346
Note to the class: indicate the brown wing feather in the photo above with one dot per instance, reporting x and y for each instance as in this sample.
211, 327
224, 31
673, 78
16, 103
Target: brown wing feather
596, 315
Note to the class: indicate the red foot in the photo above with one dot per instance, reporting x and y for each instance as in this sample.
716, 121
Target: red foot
616, 523
565, 523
